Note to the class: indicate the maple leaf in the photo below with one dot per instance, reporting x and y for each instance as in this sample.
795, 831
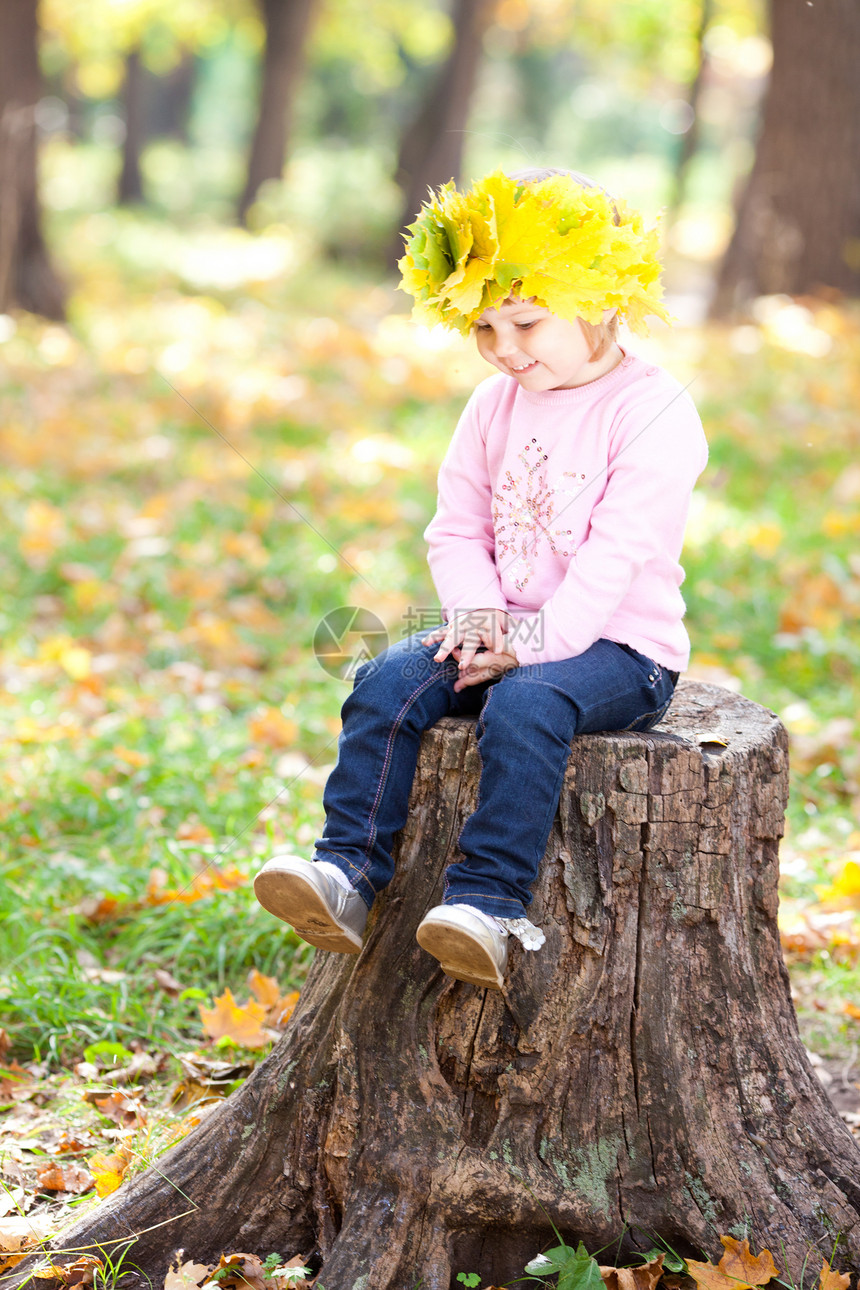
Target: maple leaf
242, 1023
739, 1262
710, 1277
265, 989
830, 1280
279, 1008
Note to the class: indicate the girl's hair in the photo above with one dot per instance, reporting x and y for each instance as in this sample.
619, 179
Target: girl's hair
599, 335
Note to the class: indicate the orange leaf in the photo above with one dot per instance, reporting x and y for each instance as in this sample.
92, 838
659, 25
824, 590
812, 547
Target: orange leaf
240, 1271
830, 1280
739, 1262
710, 1277
265, 989
128, 1112
644, 1277
271, 729
70, 1178
231, 1020
108, 1171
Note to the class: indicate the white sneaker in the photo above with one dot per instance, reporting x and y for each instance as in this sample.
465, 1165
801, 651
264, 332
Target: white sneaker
467, 946
316, 906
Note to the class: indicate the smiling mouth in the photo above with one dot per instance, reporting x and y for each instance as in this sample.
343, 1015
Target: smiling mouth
527, 367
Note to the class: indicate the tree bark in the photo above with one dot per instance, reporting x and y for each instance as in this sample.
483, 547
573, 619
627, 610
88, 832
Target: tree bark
27, 277
287, 23
431, 149
130, 187
798, 223
641, 1076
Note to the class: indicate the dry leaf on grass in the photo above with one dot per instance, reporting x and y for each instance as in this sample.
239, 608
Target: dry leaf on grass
126, 1111
645, 1277
279, 1008
69, 1178
243, 1023
108, 1171
19, 1236
80, 1273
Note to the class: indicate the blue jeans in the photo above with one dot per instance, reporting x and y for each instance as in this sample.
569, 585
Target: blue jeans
526, 721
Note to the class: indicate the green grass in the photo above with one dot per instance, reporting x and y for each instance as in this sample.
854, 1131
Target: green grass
133, 532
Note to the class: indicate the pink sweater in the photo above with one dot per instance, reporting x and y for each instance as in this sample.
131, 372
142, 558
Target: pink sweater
567, 509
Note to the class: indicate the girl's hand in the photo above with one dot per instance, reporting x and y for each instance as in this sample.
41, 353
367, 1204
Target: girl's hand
469, 630
487, 666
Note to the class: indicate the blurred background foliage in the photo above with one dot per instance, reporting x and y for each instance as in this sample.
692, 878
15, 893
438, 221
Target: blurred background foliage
219, 424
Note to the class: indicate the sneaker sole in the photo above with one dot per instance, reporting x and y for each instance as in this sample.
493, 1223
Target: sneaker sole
296, 901
460, 956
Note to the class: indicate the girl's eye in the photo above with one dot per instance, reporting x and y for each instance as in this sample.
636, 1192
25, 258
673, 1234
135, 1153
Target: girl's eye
527, 326
482, 327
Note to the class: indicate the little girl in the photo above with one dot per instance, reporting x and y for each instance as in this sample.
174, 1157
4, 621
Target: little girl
554, 550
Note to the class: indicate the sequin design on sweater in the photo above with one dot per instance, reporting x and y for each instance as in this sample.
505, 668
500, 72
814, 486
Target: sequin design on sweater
523, 513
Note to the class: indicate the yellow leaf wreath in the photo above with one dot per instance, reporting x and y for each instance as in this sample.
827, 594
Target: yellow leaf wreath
554, 240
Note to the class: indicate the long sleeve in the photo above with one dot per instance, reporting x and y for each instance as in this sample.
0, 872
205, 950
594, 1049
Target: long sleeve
460, 536
623, 580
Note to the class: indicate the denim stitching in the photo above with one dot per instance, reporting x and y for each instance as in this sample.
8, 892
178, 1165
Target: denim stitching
398, 721
347, 860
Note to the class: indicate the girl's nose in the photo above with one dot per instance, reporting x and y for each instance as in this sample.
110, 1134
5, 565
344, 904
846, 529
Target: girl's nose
505, 345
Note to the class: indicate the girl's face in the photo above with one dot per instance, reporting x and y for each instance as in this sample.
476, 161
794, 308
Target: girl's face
540, 350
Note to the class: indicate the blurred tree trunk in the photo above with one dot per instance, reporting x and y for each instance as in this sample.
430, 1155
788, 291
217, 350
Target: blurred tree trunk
287, 23
168, 110
431, 149
689, 141
798, 222
130, 187
27, 277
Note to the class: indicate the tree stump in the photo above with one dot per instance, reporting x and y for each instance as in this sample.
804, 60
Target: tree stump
641, 1076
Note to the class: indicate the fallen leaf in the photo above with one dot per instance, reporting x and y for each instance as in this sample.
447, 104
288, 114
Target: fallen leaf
167, 982
18, 1236
739, 1262
279, 1008
242, 1023
80, 1273
851, 1010
265, 989
186, 1276
830, 1280
70, 1178
644, 1277
710, 1277
240, 1271
126, 1111
108, 1171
